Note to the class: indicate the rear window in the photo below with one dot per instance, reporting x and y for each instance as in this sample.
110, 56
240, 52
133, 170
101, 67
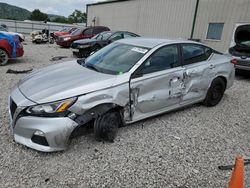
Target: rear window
88, 31
99, 30
193, 53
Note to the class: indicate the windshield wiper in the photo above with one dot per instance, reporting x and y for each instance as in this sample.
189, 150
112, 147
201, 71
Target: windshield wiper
92, 67
82, 62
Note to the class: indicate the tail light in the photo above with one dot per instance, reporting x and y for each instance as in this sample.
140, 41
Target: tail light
234, 61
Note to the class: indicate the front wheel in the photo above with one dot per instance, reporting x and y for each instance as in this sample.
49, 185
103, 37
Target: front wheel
106, 126
3, 57
215, 92
51, 40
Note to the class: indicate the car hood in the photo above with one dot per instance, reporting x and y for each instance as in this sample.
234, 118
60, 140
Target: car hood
19, 34
61, 33
61, 81
85, 41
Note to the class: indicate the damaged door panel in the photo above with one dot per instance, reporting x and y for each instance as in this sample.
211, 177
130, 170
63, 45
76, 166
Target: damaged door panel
198, 72
152, 93
156, 90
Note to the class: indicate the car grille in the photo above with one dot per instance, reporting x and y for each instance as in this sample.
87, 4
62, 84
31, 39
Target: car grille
13, 108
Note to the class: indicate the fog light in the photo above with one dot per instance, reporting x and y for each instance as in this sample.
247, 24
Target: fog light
39, 133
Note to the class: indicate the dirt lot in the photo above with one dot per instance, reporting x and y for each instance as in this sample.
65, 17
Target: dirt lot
179, 149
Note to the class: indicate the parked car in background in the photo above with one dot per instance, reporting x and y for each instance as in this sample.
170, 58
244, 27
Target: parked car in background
240, 47
83, 33
84, 47
10, 47
21, 36
124, 82
64, 31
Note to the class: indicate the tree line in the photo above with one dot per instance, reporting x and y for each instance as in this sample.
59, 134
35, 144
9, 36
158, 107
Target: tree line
76, 17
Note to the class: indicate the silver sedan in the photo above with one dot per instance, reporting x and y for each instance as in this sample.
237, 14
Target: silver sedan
126, 81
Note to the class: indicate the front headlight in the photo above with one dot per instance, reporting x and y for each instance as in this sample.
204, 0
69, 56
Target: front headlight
66, 38
51, 108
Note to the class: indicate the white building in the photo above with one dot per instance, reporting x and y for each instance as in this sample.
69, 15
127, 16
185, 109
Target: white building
211, 21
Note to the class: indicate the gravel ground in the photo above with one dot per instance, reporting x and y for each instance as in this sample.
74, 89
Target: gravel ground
179, 149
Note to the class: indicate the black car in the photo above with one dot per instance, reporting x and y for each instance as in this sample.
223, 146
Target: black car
84, 47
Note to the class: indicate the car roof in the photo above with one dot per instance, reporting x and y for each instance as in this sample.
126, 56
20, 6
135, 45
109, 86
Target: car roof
152, 42
113, 31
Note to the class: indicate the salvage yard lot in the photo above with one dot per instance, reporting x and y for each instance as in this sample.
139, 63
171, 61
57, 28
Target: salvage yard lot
179, 149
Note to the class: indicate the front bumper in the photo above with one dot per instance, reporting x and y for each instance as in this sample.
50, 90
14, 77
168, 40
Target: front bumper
55, 130
64, 43
81, 52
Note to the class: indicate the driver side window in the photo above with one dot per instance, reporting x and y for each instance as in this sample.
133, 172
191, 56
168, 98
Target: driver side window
165, 58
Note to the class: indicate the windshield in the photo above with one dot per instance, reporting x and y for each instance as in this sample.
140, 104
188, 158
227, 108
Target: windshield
104, 36
64, 30
77, 32
116, 58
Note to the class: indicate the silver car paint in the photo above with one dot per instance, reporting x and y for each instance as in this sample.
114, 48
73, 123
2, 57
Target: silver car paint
56, 131
149, 94
62, 81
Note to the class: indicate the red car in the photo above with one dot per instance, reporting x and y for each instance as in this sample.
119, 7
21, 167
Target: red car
64, 31
83, 33
10, 47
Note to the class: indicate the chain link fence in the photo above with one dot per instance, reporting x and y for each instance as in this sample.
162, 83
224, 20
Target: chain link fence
26, 27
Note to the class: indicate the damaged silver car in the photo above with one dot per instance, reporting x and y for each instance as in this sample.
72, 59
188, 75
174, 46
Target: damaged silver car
126, 81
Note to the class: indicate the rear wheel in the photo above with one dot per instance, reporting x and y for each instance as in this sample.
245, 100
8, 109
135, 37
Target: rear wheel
106, 126
3, 57
215, 92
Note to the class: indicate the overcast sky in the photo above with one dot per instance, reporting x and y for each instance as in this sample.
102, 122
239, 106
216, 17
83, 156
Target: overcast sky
60, 7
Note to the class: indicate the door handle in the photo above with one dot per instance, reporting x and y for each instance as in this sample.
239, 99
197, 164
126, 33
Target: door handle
212, 66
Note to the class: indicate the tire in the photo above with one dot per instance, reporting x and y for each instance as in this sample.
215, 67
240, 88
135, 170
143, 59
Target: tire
38, 41
51, 40
106, 126
3, 57
215, 92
